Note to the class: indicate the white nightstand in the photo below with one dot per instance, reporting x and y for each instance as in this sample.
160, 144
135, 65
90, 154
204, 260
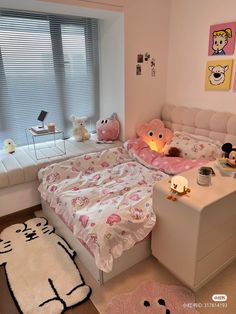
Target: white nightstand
195, 237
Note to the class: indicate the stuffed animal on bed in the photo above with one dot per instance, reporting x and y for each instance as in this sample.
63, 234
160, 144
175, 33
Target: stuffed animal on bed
79, 128
155, 134
108, 129
230, 154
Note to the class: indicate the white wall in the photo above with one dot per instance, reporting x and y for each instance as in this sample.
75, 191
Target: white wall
111, 41
146, 29
114, 5
188, 53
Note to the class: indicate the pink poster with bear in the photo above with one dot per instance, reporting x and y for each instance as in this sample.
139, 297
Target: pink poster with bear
222, 39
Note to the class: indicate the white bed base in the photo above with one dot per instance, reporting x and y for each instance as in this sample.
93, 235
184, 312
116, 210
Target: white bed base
129, 258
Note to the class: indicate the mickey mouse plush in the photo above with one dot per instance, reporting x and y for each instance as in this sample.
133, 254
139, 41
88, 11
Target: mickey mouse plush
230, 154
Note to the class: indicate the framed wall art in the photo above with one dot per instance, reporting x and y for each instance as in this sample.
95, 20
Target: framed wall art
218, 74
222, 39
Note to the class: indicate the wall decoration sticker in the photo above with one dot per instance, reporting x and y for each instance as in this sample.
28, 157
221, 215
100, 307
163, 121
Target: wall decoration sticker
147, 56
153, 67
140, 58
218, 74
153, 72
138, 69
222, 39
145, 64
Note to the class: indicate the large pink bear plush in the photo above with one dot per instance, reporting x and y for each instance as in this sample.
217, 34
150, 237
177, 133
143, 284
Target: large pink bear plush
155, 134
108, 129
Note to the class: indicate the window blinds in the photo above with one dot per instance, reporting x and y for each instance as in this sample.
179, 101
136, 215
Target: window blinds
47, 63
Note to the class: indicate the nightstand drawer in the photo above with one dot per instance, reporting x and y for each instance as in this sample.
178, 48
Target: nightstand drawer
218, 224
216, 260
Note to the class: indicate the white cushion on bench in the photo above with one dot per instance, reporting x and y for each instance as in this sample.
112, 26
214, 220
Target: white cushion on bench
22, 166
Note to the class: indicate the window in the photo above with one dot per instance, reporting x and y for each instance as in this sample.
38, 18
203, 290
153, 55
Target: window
46, 63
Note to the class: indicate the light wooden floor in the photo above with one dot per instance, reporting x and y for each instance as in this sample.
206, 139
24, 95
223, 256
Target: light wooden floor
149, 269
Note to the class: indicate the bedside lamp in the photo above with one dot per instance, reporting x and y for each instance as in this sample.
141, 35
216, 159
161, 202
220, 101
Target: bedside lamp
155, 134
179, 184
178, 187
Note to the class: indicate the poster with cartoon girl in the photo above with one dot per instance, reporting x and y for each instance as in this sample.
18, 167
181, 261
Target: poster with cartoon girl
222, 39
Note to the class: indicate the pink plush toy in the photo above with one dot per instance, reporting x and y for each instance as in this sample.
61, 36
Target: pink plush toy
108, 129
154, 134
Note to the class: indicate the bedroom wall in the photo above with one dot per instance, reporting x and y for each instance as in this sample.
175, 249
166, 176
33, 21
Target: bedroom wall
146, 29
188, 53
111, 70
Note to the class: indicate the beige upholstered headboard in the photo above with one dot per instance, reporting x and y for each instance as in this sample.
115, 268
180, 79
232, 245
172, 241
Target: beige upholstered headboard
216, 125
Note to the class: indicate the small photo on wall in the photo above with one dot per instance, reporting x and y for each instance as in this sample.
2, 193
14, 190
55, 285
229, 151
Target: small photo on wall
140, 58
218, 74
138, 69
222, 39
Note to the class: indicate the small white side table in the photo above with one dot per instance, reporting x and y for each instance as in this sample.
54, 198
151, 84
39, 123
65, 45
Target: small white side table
52, 137
195, 237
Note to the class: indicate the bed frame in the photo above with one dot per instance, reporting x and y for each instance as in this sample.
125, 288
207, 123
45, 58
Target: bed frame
129, 258
216, 125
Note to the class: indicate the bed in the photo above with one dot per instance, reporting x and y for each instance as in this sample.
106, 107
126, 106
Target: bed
102, 204
105, 200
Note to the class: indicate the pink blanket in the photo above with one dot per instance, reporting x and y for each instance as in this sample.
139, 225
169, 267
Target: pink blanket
139, 150
105, 198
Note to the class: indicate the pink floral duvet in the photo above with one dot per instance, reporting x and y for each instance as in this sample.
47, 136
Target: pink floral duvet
105, 198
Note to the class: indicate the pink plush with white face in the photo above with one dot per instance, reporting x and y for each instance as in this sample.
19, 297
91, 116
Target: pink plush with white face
108, 129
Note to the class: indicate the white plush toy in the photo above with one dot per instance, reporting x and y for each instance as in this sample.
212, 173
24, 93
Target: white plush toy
9, 146
79, 130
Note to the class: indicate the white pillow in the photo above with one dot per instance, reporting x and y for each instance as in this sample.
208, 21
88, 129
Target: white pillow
194, 146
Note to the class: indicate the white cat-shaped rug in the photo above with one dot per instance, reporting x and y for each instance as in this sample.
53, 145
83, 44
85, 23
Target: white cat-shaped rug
41, 272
